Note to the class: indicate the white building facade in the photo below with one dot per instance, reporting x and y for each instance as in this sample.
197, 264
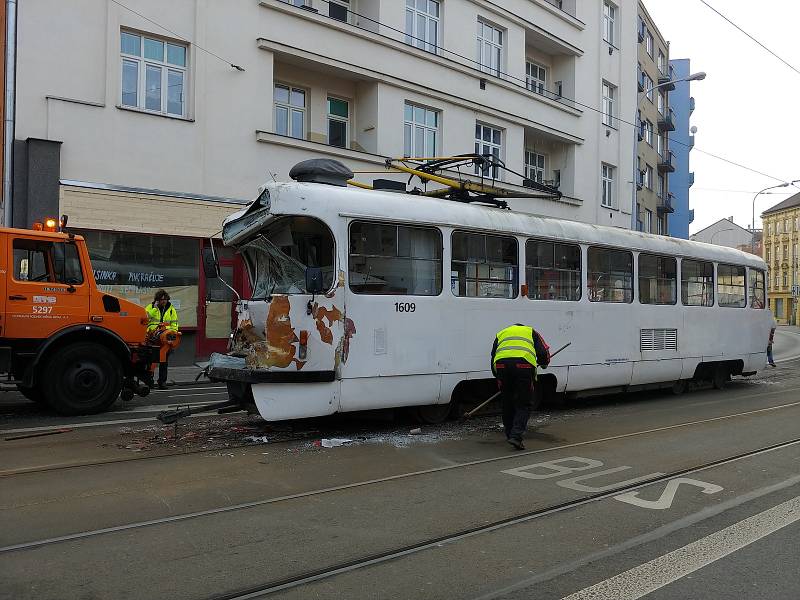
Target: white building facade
148, 122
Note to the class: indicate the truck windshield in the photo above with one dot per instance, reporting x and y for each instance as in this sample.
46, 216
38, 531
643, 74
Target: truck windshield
278, 258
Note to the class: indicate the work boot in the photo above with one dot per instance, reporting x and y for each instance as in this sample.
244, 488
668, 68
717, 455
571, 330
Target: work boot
517, 443
162, 385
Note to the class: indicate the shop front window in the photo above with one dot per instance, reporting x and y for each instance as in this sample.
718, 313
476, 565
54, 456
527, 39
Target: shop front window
134, 266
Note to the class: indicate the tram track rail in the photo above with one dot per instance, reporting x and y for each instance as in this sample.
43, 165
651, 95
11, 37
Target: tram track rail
313, 576
283, 440
82, 535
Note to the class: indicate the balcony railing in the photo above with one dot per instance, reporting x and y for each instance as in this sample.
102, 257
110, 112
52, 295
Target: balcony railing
665, 205
666, 122
665, 163
666, 80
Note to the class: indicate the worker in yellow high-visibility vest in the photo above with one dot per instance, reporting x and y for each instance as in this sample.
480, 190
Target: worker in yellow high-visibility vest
516, 353
161, 311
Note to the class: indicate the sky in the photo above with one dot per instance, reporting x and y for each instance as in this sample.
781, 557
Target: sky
747, 107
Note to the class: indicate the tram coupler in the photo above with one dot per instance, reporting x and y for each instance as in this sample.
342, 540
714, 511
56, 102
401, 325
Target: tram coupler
170, 417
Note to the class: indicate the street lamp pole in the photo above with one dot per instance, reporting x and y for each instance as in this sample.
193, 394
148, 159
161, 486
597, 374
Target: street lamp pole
753, 222
693, 77
720, 231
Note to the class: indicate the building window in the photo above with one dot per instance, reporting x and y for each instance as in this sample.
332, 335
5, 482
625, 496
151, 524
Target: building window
609, 20
338, 122
731, 286
610, 275
767, 254
484, 266
153, 74
339, 10
490, 48
290, 111
660, 228
420, 131
769, 228
422, 24
553, 271
535, 77
649, 86
658, 279
119, 261
607, 197
609, 99
535, 166
660, 144
662, 62
649, 43
757, 294
662, 102
786, 226
488, 141
648, 177
648, 221
785, 279
660, 187
648, 132
697, 283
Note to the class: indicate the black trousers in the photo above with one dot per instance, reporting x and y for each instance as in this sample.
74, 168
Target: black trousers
515, 378
162, 370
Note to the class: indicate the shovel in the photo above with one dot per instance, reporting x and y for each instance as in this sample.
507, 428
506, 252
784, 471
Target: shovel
484, 403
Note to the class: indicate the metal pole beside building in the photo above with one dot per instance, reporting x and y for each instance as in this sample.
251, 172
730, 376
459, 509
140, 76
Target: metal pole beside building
9, 109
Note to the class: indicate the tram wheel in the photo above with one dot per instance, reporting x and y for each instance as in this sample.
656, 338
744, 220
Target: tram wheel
432, 414
721, 377
679, 387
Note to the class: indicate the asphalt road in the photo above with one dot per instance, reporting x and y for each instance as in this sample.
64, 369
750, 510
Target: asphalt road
645, 495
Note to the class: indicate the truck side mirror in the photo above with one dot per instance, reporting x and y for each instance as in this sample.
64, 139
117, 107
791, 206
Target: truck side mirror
210, 266
314, 283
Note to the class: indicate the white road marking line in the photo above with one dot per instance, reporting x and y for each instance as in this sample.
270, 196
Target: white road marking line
94, 424
670, 567
189, 389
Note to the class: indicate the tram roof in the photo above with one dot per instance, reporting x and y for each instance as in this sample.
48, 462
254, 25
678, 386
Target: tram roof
326, 201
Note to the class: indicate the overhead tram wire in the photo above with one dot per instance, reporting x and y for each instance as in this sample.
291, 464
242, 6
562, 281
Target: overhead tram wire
785, 62
475, 64
179, 36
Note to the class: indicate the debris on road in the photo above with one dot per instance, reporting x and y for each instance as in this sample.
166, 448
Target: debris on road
334, 442
37, 434
416, 431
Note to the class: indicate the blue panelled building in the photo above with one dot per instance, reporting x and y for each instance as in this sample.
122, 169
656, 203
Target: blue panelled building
681, 142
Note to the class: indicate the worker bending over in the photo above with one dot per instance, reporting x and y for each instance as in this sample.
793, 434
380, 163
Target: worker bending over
516, 352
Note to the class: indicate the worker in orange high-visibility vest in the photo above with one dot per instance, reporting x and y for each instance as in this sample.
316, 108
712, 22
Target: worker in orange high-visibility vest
516, 353
158, 312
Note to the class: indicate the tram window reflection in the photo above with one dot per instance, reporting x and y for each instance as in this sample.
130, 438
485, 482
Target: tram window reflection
484, 266
757, 294
395, 259
610, 275
553, 271
697, 283
658, 279
731, 286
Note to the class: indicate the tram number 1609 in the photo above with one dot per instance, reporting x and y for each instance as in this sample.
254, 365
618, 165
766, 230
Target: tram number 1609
404, 307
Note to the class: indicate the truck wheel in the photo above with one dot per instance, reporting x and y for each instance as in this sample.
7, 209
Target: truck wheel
82, 379
32, 393
432, 414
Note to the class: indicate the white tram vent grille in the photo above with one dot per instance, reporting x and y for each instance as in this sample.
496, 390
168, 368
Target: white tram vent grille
658, 339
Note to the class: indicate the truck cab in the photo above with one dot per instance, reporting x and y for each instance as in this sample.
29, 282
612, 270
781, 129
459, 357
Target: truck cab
62, 341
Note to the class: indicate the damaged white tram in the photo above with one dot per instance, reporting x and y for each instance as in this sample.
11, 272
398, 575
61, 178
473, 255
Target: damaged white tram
415, 288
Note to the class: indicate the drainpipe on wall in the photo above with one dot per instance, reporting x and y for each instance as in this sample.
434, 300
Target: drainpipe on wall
10, 104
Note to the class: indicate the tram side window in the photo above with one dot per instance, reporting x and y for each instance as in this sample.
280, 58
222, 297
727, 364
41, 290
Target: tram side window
610, 275
658, 279
757, 295
697, 283
731, 286
395, 259
553, 271
484, 266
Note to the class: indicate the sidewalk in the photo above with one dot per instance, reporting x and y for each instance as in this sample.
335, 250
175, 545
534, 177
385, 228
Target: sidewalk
187, 374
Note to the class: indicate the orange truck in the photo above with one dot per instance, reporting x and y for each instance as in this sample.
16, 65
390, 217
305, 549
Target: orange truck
63, 341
